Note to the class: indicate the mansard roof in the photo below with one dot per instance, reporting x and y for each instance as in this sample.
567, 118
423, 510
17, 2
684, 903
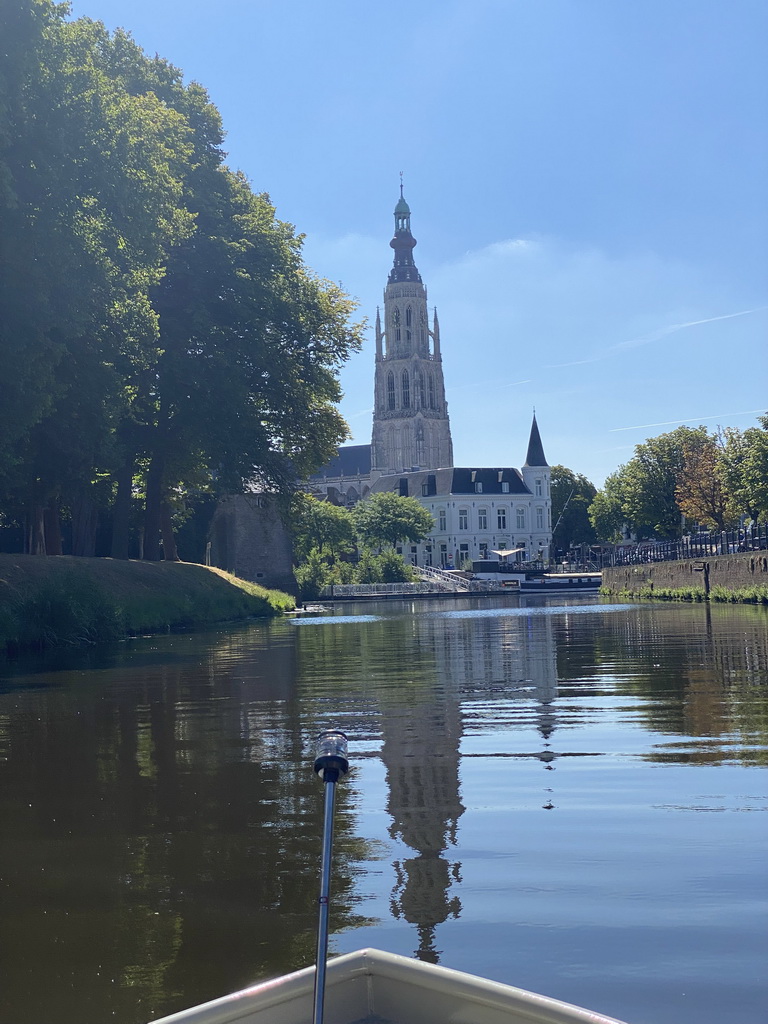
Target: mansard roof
458, 480
352, 460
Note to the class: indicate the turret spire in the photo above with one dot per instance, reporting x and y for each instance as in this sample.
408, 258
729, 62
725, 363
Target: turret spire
535, 456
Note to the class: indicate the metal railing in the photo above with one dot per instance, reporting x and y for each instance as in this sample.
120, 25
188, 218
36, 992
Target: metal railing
700, 545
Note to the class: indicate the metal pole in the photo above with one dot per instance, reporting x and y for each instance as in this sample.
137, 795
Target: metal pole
330, 764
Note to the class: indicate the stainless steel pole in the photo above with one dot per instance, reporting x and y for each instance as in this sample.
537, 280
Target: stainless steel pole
330, 764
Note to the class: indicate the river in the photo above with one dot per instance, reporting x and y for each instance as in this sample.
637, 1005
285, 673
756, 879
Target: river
570, 797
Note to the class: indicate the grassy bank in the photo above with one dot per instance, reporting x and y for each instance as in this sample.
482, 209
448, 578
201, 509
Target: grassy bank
61, 600
737, 595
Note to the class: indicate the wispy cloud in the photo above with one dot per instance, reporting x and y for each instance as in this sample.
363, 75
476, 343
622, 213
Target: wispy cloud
689, 419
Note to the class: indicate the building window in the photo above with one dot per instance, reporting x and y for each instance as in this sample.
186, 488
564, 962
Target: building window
483, 550
390, 390
420, 388
406, 390
538, 488
520, 522
501, 518
443, 555
463, 519
482, 519
478, 488
463, 554
539, 518
441, 525
408, 316
431, 392
505, 487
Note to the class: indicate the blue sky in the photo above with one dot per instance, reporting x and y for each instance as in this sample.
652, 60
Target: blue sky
588, 181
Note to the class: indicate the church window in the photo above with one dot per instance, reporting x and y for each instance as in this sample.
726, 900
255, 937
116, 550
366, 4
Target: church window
501, 518
539, 518
441, 521
520, 513
406, 381
463, 519
431, 392
482, 519
408, 316
390, 390
420, 386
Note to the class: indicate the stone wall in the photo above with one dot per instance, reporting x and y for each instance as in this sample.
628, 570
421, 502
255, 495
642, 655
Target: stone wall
732, 571
248, 539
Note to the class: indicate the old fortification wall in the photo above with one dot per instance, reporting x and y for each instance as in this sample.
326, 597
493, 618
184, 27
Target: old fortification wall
248, 539
731, 571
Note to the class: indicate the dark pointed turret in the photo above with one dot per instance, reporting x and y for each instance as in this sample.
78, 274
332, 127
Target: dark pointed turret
535, 456
403, 243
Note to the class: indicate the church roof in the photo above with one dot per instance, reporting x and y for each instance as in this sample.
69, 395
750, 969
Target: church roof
352, 460
535, 456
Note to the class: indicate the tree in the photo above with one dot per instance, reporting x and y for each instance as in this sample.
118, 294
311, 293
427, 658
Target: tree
321, 525
649, 482
744, 469
606, 512
701, 492
572, 493
386, 519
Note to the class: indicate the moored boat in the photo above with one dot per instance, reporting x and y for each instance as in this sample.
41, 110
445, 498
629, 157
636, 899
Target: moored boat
374, 987
562, 582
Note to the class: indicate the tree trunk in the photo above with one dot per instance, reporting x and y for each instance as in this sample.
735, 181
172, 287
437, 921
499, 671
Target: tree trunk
84, 523
170, 554
121, 512
52, 527
36, 530
152, 510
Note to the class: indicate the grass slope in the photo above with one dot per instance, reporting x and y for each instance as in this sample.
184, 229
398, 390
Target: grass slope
63, 600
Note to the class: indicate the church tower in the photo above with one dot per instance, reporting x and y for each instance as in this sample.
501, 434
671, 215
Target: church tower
410, 415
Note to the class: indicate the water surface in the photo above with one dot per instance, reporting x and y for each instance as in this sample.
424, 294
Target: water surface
567, 797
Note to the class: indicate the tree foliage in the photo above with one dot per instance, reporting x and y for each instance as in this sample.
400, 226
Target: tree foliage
571, 493
386, 519
320, 525
701, 492
160, 333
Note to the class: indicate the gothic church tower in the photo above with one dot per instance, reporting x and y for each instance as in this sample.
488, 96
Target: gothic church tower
410, 416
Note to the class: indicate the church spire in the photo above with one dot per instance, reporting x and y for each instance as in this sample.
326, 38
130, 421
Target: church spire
403, 243
535, 456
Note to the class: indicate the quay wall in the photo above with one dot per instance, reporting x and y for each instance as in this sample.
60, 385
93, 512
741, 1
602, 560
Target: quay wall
749, 569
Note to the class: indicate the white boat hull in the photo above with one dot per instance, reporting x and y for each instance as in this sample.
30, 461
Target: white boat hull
374, 987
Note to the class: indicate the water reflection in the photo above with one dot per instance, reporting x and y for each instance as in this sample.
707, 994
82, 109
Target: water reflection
162, 825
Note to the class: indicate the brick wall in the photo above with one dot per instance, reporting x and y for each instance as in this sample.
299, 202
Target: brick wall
249, 540
732, 571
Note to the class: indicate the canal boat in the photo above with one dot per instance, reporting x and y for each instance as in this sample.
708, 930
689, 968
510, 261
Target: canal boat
374, 987
562, 582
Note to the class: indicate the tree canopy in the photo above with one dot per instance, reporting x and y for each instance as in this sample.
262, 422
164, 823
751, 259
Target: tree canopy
571, 493
386, 519
160, 334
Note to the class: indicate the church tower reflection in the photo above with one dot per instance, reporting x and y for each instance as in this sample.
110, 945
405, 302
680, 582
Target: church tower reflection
421, 754
421, 746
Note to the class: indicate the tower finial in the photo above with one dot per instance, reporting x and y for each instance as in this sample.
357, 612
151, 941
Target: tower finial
401, 184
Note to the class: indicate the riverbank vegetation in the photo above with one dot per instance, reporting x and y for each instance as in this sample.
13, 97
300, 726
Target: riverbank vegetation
67, 601
161, 339
337, 545
719, 594
686, 476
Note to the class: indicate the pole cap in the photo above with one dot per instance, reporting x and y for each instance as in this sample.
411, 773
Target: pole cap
331, 754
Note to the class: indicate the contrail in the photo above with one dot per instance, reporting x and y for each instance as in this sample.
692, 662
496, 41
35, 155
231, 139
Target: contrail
688, 419
662, 332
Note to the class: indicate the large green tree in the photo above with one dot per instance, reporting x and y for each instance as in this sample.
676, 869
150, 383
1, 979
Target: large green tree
320, 525
572, 493
744, 469
386, 519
